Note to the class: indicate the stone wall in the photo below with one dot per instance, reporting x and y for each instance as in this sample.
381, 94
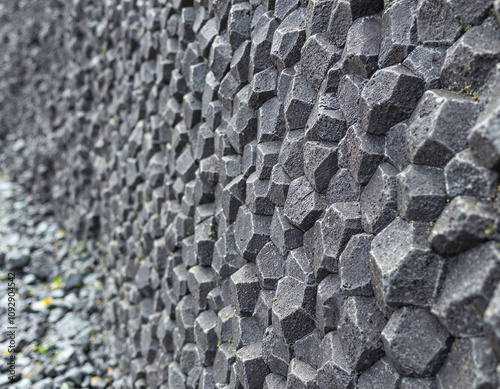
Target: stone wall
283, 193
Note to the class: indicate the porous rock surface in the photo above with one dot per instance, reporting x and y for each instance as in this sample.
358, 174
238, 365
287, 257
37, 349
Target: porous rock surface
287, 194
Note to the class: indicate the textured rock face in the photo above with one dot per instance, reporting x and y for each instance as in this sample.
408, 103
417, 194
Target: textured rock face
280, 193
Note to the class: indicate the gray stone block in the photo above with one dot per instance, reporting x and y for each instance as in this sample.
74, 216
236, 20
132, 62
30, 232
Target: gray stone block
301, 375
388, 98
328, 125
303, 204
359, 328
426, 62
257, 200
320, 163
250, 366
205, 336
294, 309
220, 56
240, 62
467, 290
415, 343
204, 240
262, 312
262, 39
345, 12
201, 280
329, 302
475, 353
349, 93
418, 383
275, 352
266, 158
299, 102
354, 267
306, 349
380, 376
361, 153
226, 259
317, 56
233, 196
437, 24
464, 175
249, 158
464, 224
298, 266
405, 271
420, 193
270, 266
335, 370
242, 129
271, 121
395, 154
318, 16
244, 286
362, 47
492, 322
378, 200
224, 358
467, 62
342, 188
279, 184
246, 331
446, 119
262, 87
239, 24
275, 381
283, 234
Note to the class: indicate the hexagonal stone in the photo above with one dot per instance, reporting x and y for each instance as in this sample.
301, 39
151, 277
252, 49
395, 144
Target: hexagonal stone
227, 90
184, 318
320, 163
405, 271
291, 154
201, 280
467, 290
294, 308
342, 188
226, 259
399, 32
426, 62
270, 266
468, 61
239, 23
318, 16
415, 342
492, 322
420, 193
341, 221
362, 47
262, 39
349, 93
283, 8
224, 358
306, 349
233, 196
335, 370
246, 331
220, 56
298, 266
204, 239
477, 355
378, 200
278, 185
250, 366
464, 175
301, 375
436, 23
354, 267
299, 102
242, 129
270, 121
245, 288
205, 336
361, 153
275, 381
262, 312
283, 234
276, 353
303, 204
328, 304
175, 375
229, 169
439, 127
257, 199
191, 110
388, 98
359, 328
288, 39
325, 124
317, 57
484, 140
240, 62
266, 158
396, 155
262, 87
345, 12
465, 223
380, 376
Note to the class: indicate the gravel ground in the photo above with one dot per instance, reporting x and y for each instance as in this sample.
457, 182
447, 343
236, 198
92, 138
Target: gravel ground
59, 337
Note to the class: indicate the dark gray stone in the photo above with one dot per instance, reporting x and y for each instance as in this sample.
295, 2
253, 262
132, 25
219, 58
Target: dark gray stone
275, 352
436, 23
270, 266
271, 121
245, 288
279, 184
299, 102
266, 158
328, 125
380, 376
328, 304
283, 234
349, 93
257, 200
492, 322
354, 267
439, 127
415, 342
420, 193
320, 163
318, 16
262, 87
388, 98
426, 62
239, 24
301, 375
465, 223
317, 56
405, 271
467, 290
250, 366
395, 152
288, 39
262, 39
